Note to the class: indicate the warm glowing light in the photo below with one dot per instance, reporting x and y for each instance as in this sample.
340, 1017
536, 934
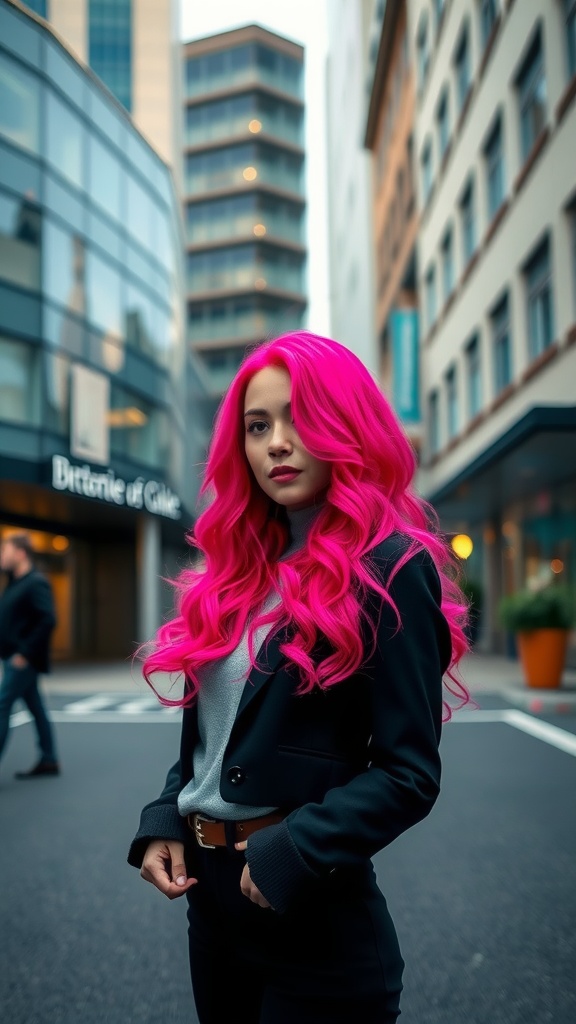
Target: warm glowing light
462, 545
509, 529
250, 173
557, 565
60, 543
130, 417
260, 283
255, 126
260, 230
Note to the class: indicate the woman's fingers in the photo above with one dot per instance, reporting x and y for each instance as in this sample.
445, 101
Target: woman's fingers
163, 866
250, 890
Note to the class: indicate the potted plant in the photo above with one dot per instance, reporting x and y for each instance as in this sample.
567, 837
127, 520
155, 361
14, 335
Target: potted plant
541, 618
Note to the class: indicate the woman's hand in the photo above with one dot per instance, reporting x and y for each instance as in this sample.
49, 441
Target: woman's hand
164, 867
247, 885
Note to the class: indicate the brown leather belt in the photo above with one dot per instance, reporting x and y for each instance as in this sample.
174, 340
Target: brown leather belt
210, 833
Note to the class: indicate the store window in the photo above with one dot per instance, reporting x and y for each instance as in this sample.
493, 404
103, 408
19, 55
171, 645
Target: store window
19, 105
531, 91
539, 300
65, 140
20, 241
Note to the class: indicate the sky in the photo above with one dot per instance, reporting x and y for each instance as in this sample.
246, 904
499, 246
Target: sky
304, 21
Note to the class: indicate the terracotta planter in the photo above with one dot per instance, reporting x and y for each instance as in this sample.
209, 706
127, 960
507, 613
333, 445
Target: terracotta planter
543, 656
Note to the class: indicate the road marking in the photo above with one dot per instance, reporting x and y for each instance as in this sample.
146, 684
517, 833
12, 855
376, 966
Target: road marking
88, 704
551, 734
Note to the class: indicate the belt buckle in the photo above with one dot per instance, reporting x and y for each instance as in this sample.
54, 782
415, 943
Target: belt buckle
198, 819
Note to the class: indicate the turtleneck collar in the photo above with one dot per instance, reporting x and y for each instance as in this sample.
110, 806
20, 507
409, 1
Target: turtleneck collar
300, 521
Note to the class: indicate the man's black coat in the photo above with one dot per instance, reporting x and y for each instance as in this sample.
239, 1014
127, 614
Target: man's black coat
27, 619
353, 766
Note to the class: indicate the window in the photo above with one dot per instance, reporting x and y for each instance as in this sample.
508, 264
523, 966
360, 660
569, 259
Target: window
443, 122
426, 163
531, 90
501, 344
447, 251
438, 10
19, 105
474, 376
572, 216
462, 69
430, 297
422, 51
104, 292
494, 157
110, 46
570, 18
452, 402
488, 15
19, 398
539, 300
105, 178
434, 421
65, 149
468, 222
63, 268
20, 238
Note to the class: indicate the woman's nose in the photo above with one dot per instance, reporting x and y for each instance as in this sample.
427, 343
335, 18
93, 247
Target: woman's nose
279, 441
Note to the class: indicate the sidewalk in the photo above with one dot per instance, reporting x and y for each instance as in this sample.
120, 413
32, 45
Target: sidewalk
481, 673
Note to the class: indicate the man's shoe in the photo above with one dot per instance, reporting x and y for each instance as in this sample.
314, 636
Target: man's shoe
42, 768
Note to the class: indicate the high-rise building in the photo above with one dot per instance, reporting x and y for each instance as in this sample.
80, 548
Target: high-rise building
244, 198
389, 136
351, 47
494, 150
92, 349
134, 48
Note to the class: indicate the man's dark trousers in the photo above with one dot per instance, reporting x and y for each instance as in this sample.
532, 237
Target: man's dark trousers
22, 684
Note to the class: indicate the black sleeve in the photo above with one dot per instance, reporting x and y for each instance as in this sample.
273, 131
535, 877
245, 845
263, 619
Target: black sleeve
402, 781
44, 619
160, 819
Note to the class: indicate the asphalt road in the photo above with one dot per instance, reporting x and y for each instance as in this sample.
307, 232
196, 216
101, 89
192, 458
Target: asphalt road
483, 892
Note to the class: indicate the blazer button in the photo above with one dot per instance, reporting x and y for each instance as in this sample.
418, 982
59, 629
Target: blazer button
236, 775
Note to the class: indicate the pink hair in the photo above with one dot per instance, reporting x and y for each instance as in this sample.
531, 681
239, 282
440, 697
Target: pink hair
342, 417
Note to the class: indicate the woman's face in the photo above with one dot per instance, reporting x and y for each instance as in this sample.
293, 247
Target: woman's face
282, 466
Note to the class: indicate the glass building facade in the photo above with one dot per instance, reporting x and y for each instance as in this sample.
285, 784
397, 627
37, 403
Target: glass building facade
110, 45
92, 342
244, 197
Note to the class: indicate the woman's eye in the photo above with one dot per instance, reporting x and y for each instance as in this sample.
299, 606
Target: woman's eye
257, 427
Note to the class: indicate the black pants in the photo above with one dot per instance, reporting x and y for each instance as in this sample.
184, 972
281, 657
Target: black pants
333, 958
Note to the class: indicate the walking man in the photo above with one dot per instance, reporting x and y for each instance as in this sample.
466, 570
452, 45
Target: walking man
26, 622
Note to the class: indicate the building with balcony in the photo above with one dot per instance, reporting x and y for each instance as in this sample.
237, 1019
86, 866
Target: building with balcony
496, 182
244, 199
134, 48
92, 348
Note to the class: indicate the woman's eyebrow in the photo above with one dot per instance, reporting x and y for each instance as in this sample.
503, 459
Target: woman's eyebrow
263, 412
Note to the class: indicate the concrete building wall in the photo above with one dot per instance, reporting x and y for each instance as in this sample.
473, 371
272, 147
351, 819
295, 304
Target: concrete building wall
352, 293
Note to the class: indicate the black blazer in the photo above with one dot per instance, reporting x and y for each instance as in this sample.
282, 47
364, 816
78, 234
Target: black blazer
352, 766
27, 619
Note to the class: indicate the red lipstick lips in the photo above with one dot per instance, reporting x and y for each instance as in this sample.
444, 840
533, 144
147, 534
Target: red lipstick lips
288, 472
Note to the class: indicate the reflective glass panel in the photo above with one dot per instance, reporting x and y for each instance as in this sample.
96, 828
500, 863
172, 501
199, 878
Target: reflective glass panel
19, 104
64, 268
105, 177
65, 143
20, 241
18, 384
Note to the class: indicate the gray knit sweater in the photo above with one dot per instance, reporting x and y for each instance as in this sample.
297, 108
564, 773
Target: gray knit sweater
221, 686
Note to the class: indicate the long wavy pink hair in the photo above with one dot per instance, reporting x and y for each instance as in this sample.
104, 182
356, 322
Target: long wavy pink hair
342, 417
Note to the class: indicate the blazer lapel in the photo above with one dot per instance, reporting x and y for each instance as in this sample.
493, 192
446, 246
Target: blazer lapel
268, 659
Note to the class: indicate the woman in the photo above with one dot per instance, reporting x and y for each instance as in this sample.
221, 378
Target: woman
313, 638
